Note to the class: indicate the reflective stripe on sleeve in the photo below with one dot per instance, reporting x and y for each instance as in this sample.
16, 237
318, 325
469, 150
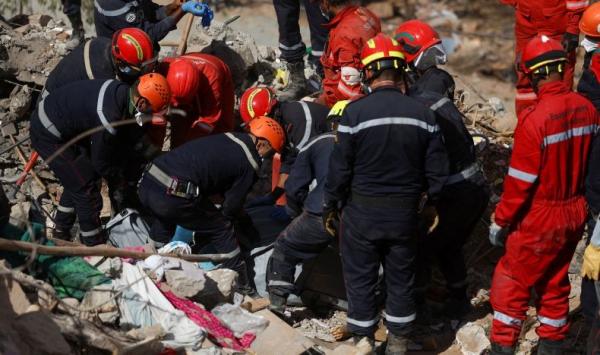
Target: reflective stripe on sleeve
521, 175
573, 132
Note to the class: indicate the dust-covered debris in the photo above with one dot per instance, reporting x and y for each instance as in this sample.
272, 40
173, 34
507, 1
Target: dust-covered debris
320, 328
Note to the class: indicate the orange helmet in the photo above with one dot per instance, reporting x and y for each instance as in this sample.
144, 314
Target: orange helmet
414, 37
155, 89
382, 52
183, 80
257, 101
132, 48
541, 51
589, 24
267, 128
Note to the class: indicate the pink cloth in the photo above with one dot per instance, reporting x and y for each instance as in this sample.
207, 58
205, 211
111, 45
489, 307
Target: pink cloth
216, 331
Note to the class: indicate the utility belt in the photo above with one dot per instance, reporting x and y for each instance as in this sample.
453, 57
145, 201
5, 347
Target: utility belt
385, 201
175, 187
466, 174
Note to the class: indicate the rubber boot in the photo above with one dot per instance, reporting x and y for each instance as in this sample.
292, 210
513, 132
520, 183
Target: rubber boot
396, 344
498, 349
94, 240
550, 347
278, 303
296, 87
244, 285
78, 36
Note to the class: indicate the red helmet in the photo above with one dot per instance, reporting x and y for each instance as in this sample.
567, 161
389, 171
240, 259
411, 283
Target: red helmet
133, 48
541, 51
154, 88
379, 48
415, 36
267, 128
183, 80
257, 101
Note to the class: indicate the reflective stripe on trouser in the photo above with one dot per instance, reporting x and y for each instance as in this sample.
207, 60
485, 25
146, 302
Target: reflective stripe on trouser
524, 32
371, 237
198, 215
537, 257
303, 239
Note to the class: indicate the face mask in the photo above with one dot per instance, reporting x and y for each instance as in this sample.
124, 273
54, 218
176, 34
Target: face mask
589, 46
141, 118
430, 57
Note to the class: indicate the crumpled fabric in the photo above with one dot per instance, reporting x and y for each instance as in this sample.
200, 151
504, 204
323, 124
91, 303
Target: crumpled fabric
142, 304
177, 247
159, 264
218, 332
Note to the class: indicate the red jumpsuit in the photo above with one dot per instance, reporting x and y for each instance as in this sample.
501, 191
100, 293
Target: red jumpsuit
550, 17
348, 31
544, 207
210, 111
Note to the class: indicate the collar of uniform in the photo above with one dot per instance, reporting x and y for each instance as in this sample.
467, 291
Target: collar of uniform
387, 87
248, 142
553, 88
340, 16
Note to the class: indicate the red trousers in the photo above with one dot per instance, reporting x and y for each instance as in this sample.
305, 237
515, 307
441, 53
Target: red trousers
525, 30
538, 254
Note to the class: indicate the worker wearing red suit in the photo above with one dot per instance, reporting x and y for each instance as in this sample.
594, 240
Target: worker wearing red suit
349, 29
542, 208
557, 19
202, 87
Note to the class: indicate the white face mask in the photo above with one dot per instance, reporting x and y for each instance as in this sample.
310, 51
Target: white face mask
435, 55
141, 118
589, 45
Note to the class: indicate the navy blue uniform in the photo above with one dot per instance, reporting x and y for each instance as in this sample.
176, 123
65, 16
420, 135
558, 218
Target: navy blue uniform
113, 15
72, 67
302, 121
222, 164
304, 238
461, 204
61, 116
389, 153
435, 80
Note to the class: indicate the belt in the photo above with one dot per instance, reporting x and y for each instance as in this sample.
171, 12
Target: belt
175, 187
463, 175
385, 201
45, 120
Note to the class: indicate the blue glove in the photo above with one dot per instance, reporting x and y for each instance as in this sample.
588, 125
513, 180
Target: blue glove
280, 214
207, 17
195, 8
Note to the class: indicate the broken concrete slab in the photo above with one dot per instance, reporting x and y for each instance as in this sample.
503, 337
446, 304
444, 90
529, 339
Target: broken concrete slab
279, 335
472, 339
186, 282
219, 287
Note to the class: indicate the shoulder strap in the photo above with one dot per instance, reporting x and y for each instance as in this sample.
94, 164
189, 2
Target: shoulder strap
86, 60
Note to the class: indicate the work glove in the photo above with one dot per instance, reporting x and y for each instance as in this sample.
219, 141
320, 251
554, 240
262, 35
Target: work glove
570, 41
331, 218
198, 9
591, 263
498, 235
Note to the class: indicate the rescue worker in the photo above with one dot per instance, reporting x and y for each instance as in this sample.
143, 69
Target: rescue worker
293, 48
465, 195
389, 152
557, 19
350, 27
177, 185
126, 56
72, 9
157, 21
589, 84
59, 118
305, 237
423, 49
542, 210
202, 87
301, 120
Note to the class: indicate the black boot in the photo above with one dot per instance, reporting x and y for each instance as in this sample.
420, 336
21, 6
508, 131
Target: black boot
94, 240
550, 347
78, 36
296, 87
62, 234
278, 303
498, 349
396, 344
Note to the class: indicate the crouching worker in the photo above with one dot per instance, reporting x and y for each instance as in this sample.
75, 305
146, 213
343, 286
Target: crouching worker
177, 185
305, 237
77, 108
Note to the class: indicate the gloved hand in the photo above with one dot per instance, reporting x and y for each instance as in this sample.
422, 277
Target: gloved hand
498, 235
331, 218
195, 8
280, 214
570, 41
207, 18
591, 263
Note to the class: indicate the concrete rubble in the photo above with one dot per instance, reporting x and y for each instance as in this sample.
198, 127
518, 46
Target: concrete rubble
472, 339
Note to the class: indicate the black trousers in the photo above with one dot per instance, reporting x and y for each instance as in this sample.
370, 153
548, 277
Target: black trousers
290, 41
81, 195
303, 239
372, 237
459, 208
198, 215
